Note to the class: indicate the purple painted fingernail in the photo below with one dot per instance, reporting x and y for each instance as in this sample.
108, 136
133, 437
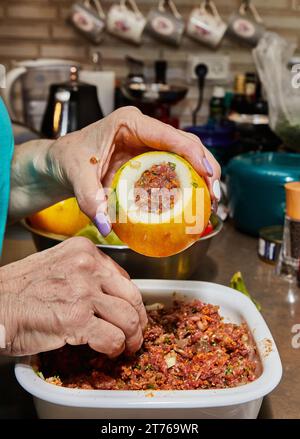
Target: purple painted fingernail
208, 167
102, 223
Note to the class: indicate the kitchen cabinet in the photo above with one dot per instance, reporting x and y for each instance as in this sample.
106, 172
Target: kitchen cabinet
229, 252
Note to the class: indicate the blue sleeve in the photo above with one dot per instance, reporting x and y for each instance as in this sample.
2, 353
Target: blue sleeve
6, 153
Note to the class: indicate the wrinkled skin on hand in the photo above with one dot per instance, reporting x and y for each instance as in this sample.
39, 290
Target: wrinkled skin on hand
71, 294
114, 140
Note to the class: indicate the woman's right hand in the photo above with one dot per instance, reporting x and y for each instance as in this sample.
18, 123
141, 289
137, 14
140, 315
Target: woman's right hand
71, 294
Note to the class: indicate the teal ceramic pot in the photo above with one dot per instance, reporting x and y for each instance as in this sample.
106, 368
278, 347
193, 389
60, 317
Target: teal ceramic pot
255, 184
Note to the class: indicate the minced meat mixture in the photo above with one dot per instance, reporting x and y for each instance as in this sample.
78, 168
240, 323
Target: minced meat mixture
161, 176
185, 347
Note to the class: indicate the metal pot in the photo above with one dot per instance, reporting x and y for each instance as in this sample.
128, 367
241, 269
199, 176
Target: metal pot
180, 266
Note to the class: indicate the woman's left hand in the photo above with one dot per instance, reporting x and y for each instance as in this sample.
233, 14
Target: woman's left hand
86, 160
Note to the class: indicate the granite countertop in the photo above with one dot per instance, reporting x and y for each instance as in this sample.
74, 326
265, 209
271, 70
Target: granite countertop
231, 251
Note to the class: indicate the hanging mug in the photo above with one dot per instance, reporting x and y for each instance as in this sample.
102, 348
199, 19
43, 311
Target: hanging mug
245, 28
166, 26
126, 21
205, 24
89, 19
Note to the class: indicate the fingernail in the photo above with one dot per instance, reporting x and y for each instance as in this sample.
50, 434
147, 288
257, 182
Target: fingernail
217, 190
215, 206
102, 223
208, 166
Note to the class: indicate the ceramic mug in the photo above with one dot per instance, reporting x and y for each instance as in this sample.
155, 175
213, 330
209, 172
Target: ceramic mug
89, 19
166, 26
245, 28
125, 21
205, 24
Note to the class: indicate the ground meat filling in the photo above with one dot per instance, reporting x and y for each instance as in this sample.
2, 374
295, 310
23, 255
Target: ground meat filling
157, 190
185, 347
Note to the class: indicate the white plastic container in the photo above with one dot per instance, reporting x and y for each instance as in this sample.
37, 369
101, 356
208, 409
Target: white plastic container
239, 402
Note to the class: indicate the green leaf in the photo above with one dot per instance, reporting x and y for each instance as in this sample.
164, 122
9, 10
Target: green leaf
237, 283
148, 367
172, 165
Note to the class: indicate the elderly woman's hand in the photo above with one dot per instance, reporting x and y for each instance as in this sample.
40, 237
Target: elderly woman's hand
71, 294
87, 159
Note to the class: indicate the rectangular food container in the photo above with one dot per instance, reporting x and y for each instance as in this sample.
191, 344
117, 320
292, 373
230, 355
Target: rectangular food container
238, 402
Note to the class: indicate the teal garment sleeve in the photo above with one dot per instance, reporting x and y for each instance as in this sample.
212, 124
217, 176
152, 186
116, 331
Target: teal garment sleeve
6, 153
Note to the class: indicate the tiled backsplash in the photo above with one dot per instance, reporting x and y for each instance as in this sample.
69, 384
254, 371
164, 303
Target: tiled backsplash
38, 28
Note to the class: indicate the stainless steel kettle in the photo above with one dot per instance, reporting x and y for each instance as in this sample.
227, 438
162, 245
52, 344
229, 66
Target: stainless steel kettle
34, 78
71, 106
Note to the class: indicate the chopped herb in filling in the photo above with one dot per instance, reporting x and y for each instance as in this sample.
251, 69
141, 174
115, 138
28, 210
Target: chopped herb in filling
157, 190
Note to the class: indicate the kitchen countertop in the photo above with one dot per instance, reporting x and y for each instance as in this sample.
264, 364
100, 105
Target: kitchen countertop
231, 251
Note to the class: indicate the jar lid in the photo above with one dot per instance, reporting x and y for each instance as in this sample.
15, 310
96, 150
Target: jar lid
272, 233
292, 193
